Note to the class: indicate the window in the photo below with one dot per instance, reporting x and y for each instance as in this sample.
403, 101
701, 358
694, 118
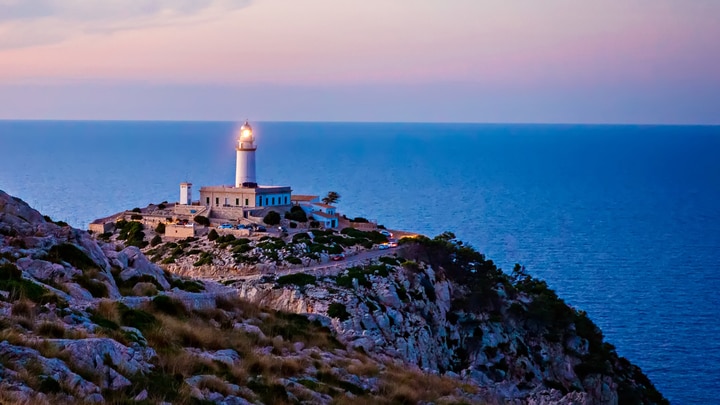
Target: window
260, 201
237, 201
285, 200
217, 201
207, 201
266, 201
246, 202
273, 201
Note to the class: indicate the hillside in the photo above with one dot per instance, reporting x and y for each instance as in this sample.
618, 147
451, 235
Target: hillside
92, 321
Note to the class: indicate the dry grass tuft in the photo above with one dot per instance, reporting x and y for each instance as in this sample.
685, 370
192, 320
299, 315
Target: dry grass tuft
214, 384
364, 368
412, 386
54, 330
13, 337
109, 310
23, 308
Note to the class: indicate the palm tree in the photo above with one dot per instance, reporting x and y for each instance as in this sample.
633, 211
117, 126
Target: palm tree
331, 198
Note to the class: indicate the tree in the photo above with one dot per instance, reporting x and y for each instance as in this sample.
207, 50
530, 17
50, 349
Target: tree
202, 220
272, 218
213, 235
160, 228
331, 198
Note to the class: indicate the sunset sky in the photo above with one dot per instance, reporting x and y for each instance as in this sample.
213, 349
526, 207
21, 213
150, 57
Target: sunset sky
610, 61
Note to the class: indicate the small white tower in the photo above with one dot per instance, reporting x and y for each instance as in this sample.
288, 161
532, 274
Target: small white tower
245, 168
185, 193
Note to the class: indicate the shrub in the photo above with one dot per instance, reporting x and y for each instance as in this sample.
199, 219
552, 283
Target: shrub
9, 271
155, 241
11, 281
360, 220
205, 258
213, 235
192, 286
272, 218
132, 233
300, 237
136, 217
293, 225
202, 220
96, 288
51, 330
296, 213
136, 210
71, 254
338, 310
299, 279
314, 224
160, 228
170, 306
162, 206
345, 280
136, 318
293, 260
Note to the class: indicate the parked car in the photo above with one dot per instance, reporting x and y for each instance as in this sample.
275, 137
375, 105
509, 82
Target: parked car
384, 246
387, 233
260, 228
337, 258
241, 226
225, 226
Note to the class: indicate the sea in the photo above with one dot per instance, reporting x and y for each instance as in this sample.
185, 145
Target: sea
622, 221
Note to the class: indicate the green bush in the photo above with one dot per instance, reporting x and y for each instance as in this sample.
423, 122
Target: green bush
136, 210
11, 281
314, 224
170, 306
205, 258
155, 241
96, 288
302, 236
136, 217
72, 255
296, 213
293, 225
293, 260
272, 218
213, 235
160, 228
299, 279
338, 310
192, 286
136, 318
132, 233
353, 273
201, 220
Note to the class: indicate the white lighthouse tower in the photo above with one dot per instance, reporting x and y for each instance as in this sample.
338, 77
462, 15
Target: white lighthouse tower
245, 167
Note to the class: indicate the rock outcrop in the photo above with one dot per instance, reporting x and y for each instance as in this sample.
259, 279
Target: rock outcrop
90, 321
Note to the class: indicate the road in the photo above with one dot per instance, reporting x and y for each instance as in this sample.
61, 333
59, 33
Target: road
331, 268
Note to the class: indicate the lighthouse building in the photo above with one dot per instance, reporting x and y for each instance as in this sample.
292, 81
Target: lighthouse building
245, 193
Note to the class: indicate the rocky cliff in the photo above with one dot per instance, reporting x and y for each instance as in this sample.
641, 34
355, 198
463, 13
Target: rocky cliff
86, 321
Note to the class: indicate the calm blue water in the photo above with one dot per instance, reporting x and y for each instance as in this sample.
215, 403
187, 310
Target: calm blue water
622, 221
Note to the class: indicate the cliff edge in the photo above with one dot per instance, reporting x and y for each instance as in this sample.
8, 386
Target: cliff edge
87, 321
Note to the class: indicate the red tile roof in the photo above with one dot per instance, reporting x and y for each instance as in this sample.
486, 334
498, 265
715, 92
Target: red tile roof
324, 215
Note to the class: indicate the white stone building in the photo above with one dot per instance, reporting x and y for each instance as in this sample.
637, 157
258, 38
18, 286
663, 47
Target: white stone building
245, 193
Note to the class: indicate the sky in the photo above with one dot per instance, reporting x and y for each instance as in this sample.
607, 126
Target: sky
500, 61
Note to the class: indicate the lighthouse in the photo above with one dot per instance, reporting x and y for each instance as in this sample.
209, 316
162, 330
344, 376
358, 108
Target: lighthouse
245, 165
240, 198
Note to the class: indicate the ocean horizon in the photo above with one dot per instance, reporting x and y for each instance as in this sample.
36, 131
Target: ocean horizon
623, 221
